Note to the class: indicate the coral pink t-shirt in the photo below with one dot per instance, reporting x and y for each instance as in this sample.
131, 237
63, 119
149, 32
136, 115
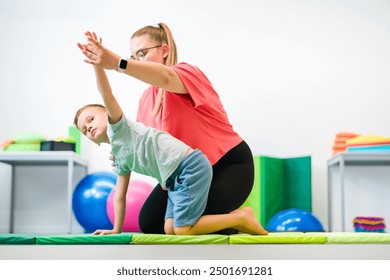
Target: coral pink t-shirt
197, 118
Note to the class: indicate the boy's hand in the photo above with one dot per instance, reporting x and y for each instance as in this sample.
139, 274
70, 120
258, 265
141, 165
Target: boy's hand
105, 232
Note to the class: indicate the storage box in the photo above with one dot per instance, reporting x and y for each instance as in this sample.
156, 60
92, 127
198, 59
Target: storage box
57, 146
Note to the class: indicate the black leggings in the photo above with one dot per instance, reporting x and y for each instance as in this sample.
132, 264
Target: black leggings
232, 182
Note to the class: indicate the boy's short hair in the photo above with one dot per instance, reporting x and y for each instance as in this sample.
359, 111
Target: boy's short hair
76, 117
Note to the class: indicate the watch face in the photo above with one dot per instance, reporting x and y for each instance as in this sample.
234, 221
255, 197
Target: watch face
123, 64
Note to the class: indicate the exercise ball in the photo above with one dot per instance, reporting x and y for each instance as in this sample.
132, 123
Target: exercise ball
136, 195
294, 219
90, 198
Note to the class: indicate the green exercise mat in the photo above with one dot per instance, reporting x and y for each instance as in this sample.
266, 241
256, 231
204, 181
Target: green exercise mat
355, 237
278, 238
123, 238
297, 182
145, 239
280, 183
17, 239
140, 238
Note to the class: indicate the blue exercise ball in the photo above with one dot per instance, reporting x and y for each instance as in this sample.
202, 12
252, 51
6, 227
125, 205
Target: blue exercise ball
89, 200
294, 219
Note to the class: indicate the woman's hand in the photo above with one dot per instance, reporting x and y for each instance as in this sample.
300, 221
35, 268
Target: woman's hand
112, 158
96, 54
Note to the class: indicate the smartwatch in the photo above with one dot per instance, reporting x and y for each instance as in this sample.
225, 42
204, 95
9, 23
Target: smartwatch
122, 65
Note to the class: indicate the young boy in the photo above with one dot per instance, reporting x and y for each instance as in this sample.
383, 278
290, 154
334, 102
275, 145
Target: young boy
184, 172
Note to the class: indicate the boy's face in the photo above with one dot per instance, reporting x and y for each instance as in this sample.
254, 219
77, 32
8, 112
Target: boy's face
92, 123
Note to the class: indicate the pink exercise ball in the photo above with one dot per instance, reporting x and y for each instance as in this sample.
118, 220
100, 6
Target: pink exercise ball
136, 195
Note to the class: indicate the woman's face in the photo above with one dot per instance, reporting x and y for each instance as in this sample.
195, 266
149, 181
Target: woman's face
144, 49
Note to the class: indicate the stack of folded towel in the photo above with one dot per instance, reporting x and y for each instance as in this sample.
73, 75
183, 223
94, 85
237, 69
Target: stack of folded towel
368, 143
340, 140
369, 224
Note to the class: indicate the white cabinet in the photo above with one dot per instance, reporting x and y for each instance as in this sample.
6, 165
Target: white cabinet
358, 185
39, 199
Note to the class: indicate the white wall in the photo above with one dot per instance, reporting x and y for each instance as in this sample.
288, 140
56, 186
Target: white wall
291, 74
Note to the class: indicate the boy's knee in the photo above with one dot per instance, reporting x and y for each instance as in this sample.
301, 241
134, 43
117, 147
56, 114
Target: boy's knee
168, 227
182, 230
169, 231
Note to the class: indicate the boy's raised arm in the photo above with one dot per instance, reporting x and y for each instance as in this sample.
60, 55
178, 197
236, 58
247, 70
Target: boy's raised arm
113, 108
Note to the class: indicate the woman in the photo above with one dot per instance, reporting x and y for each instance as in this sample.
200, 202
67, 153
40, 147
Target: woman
181, 101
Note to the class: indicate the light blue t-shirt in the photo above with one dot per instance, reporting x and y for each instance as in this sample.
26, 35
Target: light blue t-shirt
144, 150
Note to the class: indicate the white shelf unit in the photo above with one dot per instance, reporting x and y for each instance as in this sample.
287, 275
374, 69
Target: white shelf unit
358, 185
41, 190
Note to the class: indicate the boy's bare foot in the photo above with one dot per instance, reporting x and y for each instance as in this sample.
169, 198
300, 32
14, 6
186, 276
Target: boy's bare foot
250, 224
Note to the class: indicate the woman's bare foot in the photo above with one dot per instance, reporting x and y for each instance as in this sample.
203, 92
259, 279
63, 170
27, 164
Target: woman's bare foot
249, 222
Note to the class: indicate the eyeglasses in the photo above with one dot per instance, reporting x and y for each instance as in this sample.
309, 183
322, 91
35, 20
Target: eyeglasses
140, 54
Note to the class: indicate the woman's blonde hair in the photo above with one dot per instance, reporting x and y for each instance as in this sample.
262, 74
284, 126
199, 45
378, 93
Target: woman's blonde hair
162, 35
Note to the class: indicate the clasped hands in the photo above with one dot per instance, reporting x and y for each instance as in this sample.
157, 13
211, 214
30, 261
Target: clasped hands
96, 54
